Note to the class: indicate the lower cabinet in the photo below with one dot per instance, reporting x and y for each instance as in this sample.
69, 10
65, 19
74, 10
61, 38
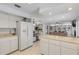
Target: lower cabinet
4, 46
69, 48
44, 46
8, 45
68, 51
53, 48
13, 45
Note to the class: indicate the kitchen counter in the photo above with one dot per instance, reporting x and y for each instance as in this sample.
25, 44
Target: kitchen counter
8, 43
61, 38
59, 45
6, 35
58, 33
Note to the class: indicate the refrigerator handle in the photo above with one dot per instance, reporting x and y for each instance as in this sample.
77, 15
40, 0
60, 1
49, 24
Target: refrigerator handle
27, 31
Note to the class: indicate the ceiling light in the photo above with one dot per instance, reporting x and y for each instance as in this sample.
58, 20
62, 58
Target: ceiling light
50, 13
69, 9
34, 24
29, 3
62, 16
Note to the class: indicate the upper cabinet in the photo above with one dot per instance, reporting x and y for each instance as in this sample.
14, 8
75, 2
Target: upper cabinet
8, 20
12, 22
4, 22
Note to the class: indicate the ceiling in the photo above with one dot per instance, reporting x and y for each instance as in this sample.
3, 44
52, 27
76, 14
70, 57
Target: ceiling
49, 12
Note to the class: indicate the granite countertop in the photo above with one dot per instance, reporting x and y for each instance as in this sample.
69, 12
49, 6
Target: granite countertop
61, 38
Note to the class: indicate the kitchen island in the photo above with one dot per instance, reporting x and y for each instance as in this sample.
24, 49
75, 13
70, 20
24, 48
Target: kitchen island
8, 43
59, 45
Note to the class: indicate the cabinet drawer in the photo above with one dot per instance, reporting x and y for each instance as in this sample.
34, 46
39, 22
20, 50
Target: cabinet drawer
68, 51
13, 44
54, 47
54, 50
44, 46
4, 46
54, 42
69, 45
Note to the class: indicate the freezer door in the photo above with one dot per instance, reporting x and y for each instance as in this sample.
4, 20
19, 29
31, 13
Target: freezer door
30, 34
23, 36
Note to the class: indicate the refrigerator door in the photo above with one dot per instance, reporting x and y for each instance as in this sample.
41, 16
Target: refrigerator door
30, 34
23, 36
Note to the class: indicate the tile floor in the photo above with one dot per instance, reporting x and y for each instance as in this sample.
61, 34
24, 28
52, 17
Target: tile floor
34, 50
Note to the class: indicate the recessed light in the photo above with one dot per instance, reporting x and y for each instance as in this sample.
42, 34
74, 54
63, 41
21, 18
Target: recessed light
50, 13
62, 16
29, 3
69, 9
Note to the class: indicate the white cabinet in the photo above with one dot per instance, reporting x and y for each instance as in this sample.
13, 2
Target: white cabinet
69, 45
4, 46
12, 24
13, 44
12, 21
49, 47
68, 51
54, 47
69, 48
54, 50
8, 20
7, 45
4, 22
44, 46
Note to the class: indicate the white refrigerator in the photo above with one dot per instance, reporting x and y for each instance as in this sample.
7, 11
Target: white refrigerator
25, 35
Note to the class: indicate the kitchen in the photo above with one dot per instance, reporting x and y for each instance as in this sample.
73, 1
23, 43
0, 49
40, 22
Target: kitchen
39, 29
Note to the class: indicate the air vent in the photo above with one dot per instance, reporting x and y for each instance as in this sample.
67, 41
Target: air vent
26, 19
16, 5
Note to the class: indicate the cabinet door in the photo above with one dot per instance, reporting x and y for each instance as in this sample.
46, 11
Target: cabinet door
0, 46
4, 46
67, 51
4, 20
69, 45
13, 44
12, 21
44, 46
53, 48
